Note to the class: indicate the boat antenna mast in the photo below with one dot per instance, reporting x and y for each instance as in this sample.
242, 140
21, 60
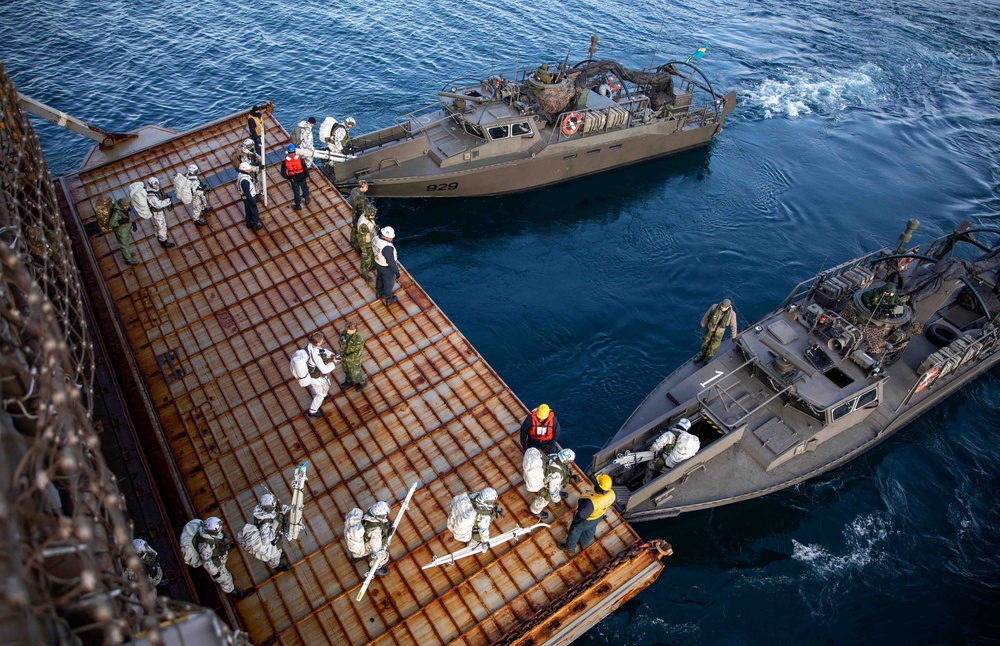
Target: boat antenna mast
656, 47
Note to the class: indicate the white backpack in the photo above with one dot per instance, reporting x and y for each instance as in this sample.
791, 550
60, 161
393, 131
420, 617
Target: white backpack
188, 550
462, 517
533, 465
299, 367
183, 188
668, 438
354, 533
137, 197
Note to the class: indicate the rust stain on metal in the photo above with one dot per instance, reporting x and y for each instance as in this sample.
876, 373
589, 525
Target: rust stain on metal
232, 420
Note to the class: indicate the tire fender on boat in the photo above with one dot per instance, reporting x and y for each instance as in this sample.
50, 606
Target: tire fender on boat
571, 123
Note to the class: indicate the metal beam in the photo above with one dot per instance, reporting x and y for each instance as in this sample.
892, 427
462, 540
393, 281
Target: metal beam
104, 139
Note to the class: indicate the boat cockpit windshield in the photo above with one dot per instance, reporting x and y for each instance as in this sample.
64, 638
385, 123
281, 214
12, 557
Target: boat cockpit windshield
506, 130
473, 129
866, 400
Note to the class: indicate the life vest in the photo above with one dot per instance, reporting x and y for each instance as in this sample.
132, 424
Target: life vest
239, 181
718, 320
541, 429
369, 228
258, 124
378, 244
293, 165
601, 502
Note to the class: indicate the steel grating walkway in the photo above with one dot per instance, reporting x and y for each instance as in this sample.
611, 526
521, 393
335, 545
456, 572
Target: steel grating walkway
208, 328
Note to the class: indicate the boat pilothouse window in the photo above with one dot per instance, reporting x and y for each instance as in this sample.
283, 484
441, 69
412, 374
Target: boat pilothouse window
474, 130
509, 130
867, 399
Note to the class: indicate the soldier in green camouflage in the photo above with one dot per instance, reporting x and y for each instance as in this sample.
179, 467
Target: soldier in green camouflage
358, 201
366, 230
352, 346
715, 321
118, 220
881, 300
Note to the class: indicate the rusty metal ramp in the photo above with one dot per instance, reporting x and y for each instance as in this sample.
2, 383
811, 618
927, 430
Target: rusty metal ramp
207, 329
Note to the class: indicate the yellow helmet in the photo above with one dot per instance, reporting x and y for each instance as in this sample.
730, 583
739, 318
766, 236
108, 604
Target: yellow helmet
543, 411
604, 481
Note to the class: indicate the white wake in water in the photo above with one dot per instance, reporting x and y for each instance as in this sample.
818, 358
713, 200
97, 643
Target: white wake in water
824, 94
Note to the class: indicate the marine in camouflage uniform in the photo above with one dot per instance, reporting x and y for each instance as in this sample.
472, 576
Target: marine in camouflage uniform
358, 201
352, 346
151, 560
715, 321
118, 219
881, 299
366, 230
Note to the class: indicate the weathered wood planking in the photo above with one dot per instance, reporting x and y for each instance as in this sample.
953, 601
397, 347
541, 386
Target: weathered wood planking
212, 323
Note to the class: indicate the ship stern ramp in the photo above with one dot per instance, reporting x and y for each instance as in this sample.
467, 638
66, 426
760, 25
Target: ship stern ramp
206, 330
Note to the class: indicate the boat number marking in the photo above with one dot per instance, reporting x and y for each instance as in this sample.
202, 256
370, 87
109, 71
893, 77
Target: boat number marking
718, 373
442, 187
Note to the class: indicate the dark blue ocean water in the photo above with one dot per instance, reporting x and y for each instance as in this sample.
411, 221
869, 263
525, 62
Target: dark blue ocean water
852, 117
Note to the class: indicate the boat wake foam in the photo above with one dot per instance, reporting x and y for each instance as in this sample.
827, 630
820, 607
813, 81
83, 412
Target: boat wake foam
822, 94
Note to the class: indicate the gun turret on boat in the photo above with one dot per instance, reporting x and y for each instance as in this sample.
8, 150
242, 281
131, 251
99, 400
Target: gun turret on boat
847, 359
533, 127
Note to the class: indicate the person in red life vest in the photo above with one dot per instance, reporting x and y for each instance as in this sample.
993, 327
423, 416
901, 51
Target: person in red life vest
540, 430
294, 169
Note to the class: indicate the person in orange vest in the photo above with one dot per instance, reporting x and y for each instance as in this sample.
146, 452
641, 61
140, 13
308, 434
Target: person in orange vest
540, 430
294, 169
590, 509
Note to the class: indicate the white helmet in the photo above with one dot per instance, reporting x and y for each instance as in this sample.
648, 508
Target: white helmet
567, 455
268, 500
381, 508
152, 182
349, 122
139, 545
489, 494
684, 424
388, 232
192, 168
248, 144
212, 526
245, 167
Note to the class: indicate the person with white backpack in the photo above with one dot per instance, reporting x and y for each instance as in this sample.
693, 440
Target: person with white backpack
204, 544
367, 535
311, 367
191, 191
471, 514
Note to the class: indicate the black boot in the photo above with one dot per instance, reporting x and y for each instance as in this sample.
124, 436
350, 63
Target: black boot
283, 567
166, 244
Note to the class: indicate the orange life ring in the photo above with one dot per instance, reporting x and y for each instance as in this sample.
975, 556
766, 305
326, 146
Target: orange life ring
928, 378
614, 83
571, 123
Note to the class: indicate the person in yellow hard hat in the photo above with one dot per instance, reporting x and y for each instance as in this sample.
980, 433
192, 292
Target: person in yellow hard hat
540, 430
590, 510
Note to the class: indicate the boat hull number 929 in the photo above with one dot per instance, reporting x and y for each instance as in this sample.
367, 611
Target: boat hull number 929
442, 187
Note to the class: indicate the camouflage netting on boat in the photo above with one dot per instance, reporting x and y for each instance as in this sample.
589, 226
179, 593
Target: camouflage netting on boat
875, 335
66, 539
659, 85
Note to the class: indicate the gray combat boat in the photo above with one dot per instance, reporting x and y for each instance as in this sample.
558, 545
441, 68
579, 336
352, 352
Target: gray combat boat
533, 127
837, 368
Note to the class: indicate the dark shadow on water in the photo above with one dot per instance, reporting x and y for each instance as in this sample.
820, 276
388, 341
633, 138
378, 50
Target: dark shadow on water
603, 196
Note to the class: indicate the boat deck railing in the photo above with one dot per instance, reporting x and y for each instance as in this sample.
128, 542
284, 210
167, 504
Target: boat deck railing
717, 391
805, 287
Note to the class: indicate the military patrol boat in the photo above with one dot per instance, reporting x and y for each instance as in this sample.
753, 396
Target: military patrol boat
838, 367
534, 127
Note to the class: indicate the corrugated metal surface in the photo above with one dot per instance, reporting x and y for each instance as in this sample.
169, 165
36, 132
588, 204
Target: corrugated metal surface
211, 325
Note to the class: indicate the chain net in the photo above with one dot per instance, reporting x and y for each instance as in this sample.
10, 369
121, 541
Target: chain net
65, 538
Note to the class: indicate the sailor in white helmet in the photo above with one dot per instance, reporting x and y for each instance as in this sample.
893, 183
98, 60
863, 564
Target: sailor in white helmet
213, 546
377, 531
386, 269
151, 561
159, 203
557, 475
260, 537
248, 191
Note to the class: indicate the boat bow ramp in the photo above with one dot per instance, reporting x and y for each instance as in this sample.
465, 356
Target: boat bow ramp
200, 338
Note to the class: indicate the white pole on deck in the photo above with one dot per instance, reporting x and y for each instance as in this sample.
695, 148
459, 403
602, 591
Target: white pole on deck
263, 159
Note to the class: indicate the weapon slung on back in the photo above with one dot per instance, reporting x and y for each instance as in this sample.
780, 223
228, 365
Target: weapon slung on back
392, 532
